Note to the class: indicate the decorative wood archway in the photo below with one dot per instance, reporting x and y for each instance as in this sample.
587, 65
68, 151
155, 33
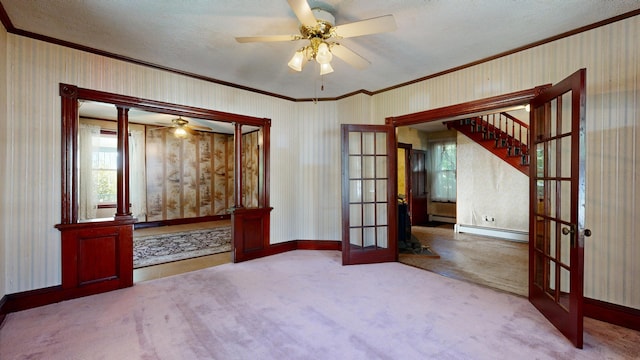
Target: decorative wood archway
97, 256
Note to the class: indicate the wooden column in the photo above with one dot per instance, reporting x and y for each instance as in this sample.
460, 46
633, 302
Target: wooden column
122, 205
69, 114
238, 166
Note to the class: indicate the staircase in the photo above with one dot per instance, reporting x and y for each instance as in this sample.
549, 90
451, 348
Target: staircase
500, 133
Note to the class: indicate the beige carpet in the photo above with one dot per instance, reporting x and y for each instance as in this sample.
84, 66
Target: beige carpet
302, 305
493, 262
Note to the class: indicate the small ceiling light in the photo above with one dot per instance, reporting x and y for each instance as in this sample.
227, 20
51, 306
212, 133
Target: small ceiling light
180, 132
325, 69
296, 61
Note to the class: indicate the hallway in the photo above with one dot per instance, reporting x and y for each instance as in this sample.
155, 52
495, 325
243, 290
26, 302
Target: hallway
496, 263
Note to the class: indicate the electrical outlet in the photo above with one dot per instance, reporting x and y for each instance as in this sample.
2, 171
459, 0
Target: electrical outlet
488, 218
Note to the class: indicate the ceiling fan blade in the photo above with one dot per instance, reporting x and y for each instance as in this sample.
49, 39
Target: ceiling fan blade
190, 131
365, 27
163, 125
198, 127
270, 38
350, 57
303, 12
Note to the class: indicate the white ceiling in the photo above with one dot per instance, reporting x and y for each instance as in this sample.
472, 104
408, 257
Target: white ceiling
198, 36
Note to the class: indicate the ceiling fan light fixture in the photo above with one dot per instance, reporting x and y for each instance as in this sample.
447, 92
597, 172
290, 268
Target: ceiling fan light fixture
180, 132
325, 69
296, 61
323, 56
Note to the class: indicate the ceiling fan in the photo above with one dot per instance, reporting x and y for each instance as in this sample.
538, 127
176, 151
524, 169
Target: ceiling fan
182, 128
319, 29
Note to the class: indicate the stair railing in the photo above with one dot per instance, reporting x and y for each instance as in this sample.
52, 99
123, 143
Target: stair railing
506, 130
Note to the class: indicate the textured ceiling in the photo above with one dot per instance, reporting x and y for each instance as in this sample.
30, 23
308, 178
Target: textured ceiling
198, 36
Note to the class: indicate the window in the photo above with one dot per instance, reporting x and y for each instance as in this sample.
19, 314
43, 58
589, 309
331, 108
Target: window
105, 167
443, 168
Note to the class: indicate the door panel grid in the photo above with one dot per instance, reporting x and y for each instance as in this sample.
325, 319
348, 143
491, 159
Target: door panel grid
368, 203
556, 252
368, 190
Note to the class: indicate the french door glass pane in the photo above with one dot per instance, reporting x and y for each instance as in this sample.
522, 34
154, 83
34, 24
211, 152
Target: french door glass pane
369, 237
381, 143
368, 143
381, 191
355, 143
368, 184
355, 191
355, 236
368, 167
355, 214
355, 167
565, 127
368, 190
383, 242
565, 288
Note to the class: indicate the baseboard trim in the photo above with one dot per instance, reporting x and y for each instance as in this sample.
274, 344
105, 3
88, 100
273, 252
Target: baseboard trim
612, 313
319, 245
3, 310
446, 219
513, 235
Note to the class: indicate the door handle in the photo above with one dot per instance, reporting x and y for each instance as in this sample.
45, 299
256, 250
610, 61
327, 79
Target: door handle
567, 231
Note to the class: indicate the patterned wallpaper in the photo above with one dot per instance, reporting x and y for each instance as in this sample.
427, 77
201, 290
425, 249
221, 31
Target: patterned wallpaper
193, 177
250, 169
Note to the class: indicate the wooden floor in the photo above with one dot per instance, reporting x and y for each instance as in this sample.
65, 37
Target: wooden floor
179, 267
496, 263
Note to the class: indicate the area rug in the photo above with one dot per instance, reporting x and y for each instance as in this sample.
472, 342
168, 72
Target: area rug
158, 249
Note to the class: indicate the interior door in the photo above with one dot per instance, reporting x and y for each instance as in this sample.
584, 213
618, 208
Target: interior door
369, 204
557, 200
419, 192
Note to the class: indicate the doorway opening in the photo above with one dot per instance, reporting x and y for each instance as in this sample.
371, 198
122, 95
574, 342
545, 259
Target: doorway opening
476, 203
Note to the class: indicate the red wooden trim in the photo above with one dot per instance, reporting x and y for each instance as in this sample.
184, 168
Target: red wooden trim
122, 203
270, 250
319, 245
3, 309
164, 107
69, 114
237, 193
514, 119
151, 224
612, 313
266, 163
471, 107
408, 175
107, 206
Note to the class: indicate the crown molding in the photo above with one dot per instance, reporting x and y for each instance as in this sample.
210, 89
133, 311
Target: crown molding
8, 25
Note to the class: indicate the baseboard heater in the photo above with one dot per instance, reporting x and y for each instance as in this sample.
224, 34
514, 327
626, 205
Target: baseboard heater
513, 235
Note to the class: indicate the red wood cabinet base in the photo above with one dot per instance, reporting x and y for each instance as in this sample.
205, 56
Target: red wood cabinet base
97, 256
250, 234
